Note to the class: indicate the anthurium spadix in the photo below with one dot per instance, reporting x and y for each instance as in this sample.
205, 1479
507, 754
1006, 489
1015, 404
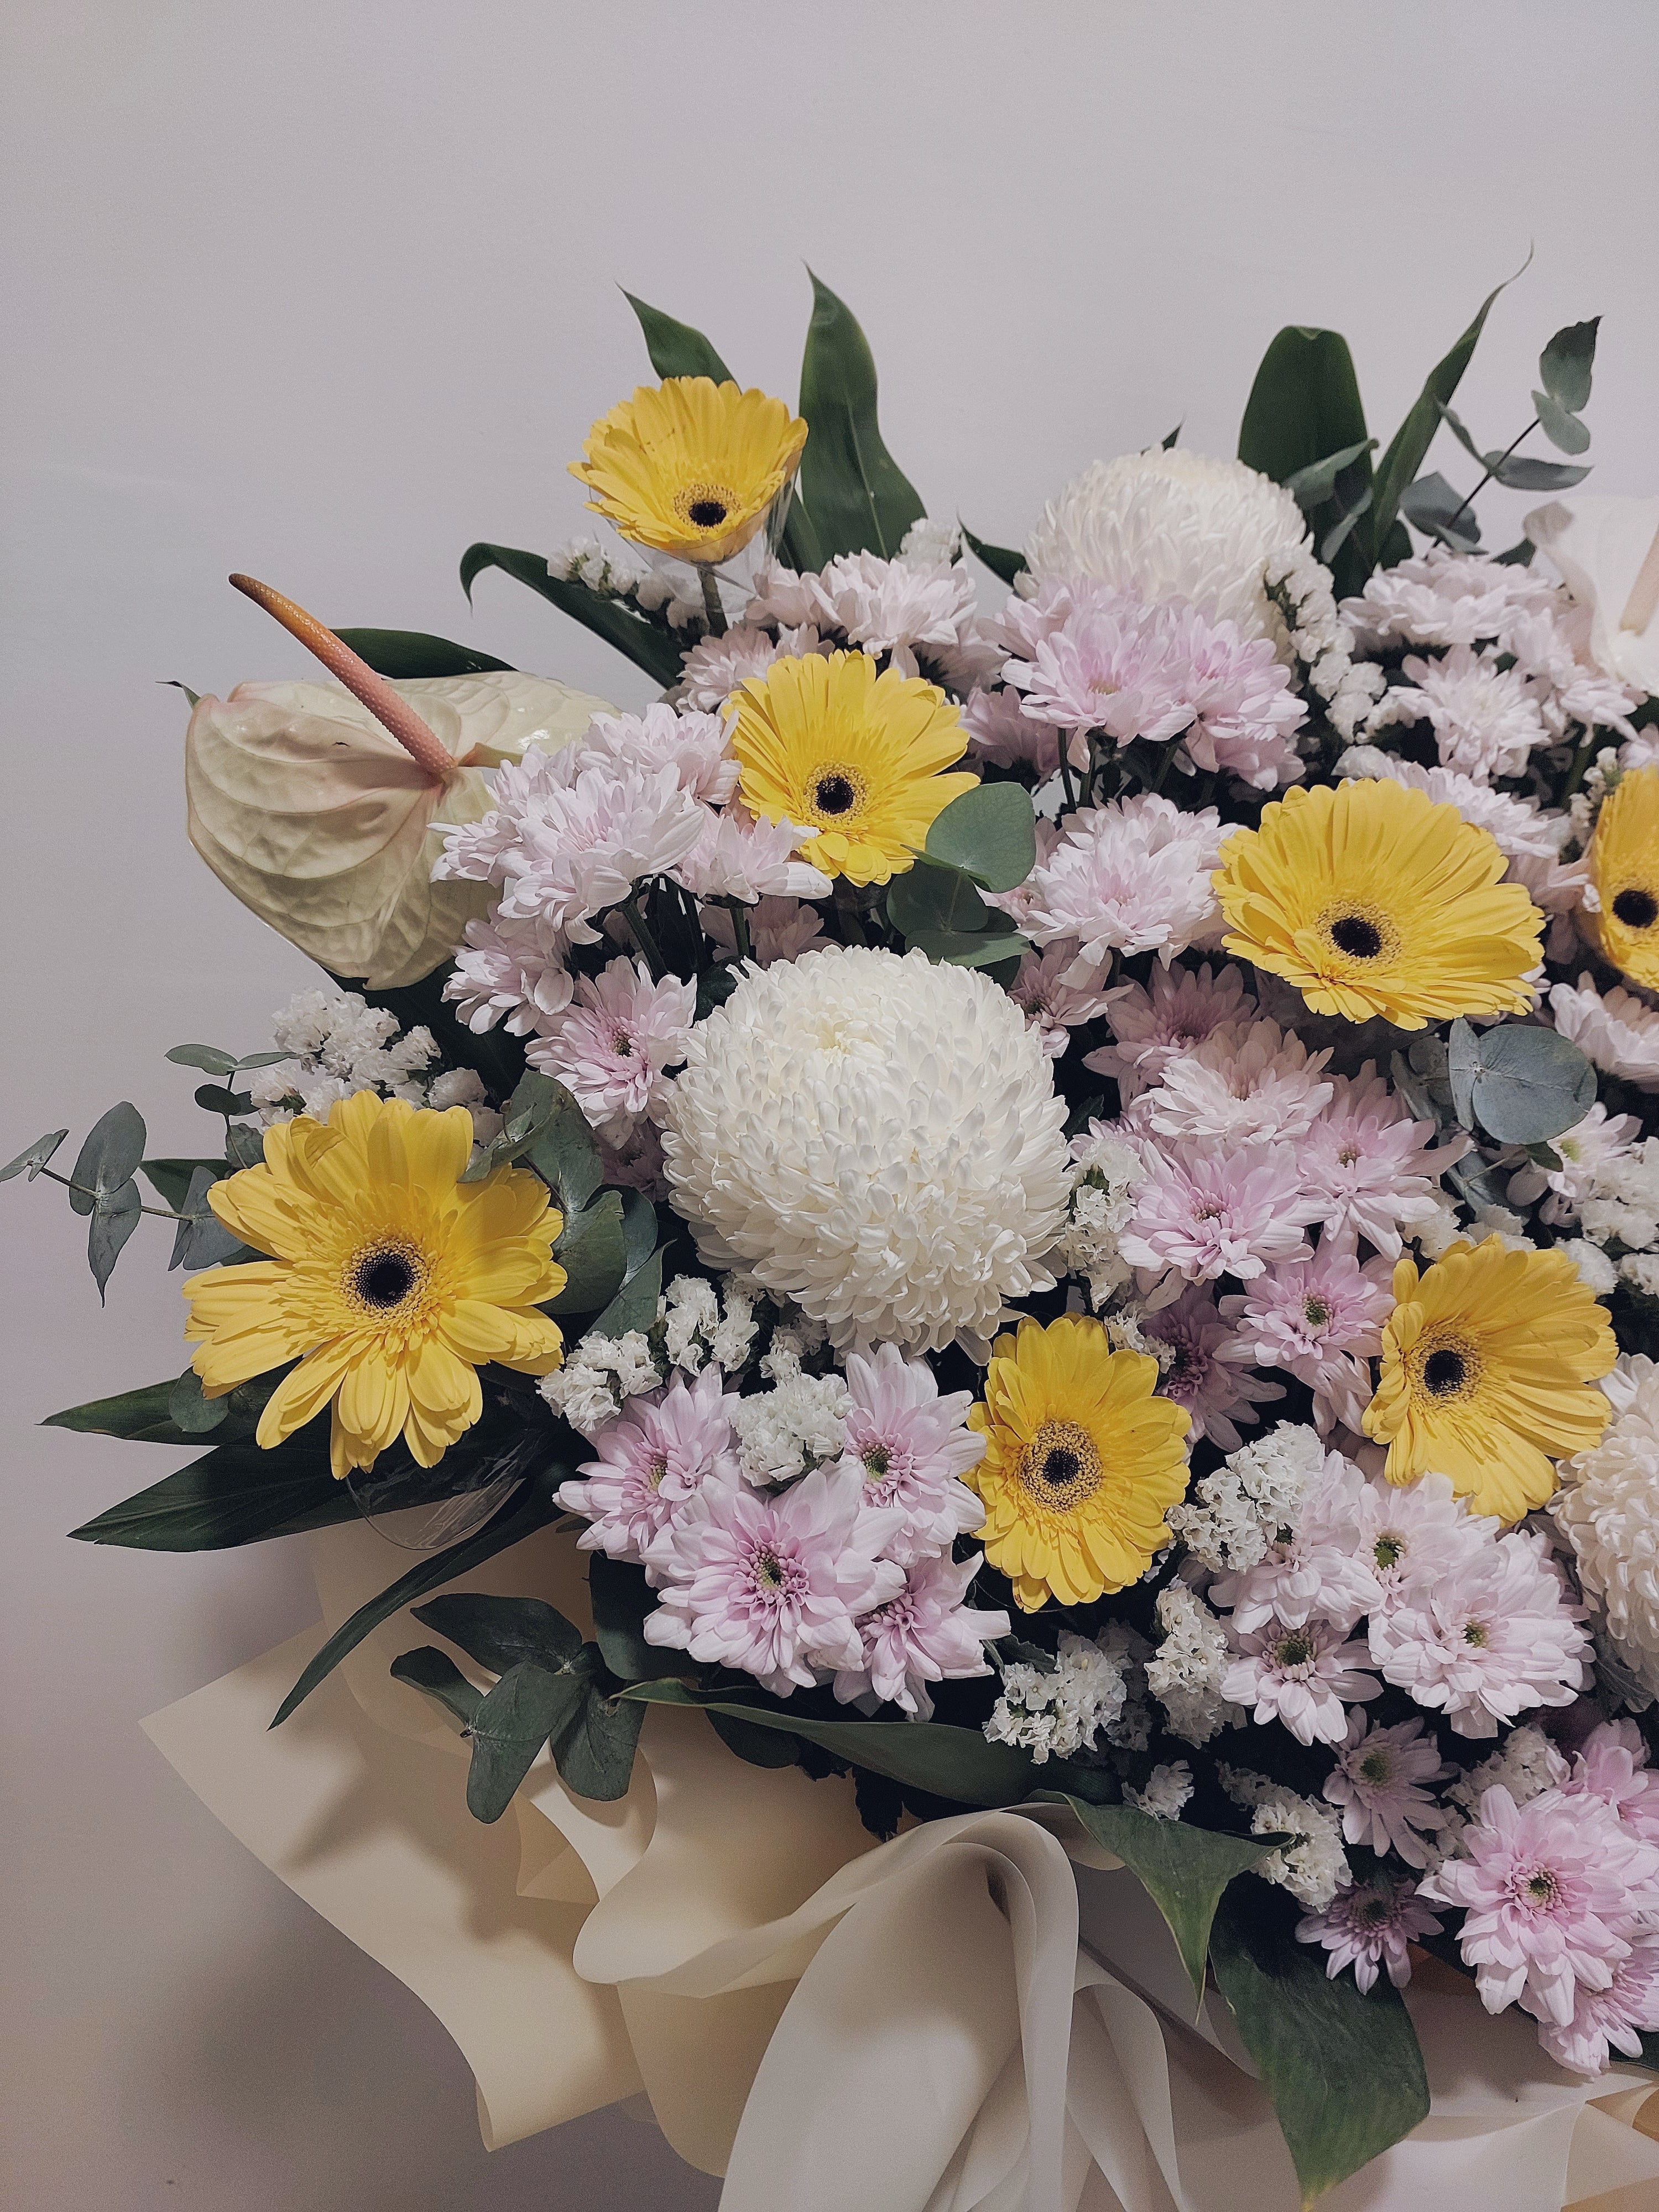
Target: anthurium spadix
315, 802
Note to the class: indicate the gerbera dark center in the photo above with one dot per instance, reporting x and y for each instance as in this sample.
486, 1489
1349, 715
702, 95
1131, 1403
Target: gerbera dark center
385, 1279
1359, 939
707, 513
833, 794
1637, 909
1061, 1469
1445, 1372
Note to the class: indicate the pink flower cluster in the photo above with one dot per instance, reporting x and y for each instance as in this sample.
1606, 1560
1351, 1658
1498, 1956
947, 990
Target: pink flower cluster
845, 1574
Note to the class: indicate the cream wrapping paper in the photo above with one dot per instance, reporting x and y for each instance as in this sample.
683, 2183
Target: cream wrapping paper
980, 2016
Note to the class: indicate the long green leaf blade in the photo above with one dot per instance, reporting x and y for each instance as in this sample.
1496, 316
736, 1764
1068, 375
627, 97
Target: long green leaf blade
407, 654
857, 497
646, 645
676, 350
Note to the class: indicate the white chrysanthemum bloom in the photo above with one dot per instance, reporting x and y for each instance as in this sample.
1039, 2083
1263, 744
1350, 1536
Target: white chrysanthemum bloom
1607, 1507
876, 1138
1441, 598
1169, 524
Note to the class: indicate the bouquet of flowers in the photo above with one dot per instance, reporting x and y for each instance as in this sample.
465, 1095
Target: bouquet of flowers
1050, 1166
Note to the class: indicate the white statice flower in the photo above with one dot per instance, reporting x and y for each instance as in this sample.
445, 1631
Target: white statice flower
464, 1086
1131, 877
1486, 720
1167, 1790
1618, 1033
1104, 1172
1062, 1709
877, 1139
1232, 1517
1313, 1866
688, 1311
609, 570
1443, 598
1607, 1508
338, 1045
1186, 1671
800, 1423
1526, 1764
716, 666
1242, 1086
1171, 524
598, 1378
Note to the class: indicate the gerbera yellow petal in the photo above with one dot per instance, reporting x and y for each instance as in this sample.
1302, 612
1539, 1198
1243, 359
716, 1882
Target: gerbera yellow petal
690, 467
1624, 867
1374, 901
300, 1396
1082, 1463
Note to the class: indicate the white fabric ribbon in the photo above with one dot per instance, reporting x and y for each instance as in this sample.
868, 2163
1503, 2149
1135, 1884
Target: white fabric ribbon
980, 2016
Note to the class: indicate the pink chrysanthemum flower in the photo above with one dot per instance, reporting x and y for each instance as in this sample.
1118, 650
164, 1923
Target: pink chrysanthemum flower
1379, 1782
1132, 877
1613, 2019
1486, 720
1370, 1926
649, 1462
1368, 1164
716, 667
693, 744
1206, 1213
779, 929
907, 1447
1112, 665
1321, 1320
1245, 710
1304, 1678
636, 1162
1054, 1007
610, 1049
1216, 1394
773, 1584
513, 973
997, 731
1316, 1570
1554, 1891
1154, 1028
925, 1634
1488, 1639
1612, 1767
737, 857
1242, 1086
1409, 1537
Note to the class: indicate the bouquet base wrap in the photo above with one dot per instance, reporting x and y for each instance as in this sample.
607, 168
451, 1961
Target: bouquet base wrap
983, 2014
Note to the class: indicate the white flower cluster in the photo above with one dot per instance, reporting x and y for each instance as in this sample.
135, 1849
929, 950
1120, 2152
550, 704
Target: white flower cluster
615, 572
338, 1045
1104, 1172
1314, 1866
797, 1424
1186, 1671
1165, 1791
600, 1378
1238, 1512
703, 1322
1055, 1709
1608, 1509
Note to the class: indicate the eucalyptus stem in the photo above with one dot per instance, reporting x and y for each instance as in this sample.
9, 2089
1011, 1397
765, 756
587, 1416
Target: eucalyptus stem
1491, 473
160, 1213
647, 942
713, 612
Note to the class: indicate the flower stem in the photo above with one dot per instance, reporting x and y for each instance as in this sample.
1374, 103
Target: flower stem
847, 914
739, 927
713, 612
1493, 471
647, 942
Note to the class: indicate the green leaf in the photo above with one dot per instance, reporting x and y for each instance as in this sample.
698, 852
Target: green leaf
634, 1306
676, 349
1304, 410
236, 1495
510, 1727
208, 1057
956, 1763
857, 499
595, 1748
1312, 486
1412, 441
202, 1239
113, 1220
593, 1253
645, 645
170, 1179
1563, 430
404, 654
1440, 510
140, 1416
932, 895
1545, 1156
989, 833
1172, 437
521, 1515
499, 1631
1463, 1065
989, 951
639, 1228
1182, 1870
187, 1409
566, 1154
1565, 365
1001, 560
436, 1673
110, 1157
1532, 1083
38, 1154
621, 1598
1521, 473
1344, 2071
216, 1099
1455, 422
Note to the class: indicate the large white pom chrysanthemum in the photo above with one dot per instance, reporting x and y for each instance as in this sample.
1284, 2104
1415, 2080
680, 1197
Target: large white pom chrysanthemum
1608, 1507
876, 1137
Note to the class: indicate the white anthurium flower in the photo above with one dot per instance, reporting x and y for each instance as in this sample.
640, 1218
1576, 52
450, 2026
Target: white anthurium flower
320, 820
1608, 552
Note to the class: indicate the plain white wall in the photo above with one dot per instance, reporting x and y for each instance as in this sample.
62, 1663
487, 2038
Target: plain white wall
324, 292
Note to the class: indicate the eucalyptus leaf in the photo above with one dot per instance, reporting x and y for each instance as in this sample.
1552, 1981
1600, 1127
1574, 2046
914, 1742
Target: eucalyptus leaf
931, 894
593, 1748
111, 1157
1530, 1084
1519, 472
988, 950
189, 1410
216, 1099
113, 1220
566, 1154
1343, 2070
1565, 365
857, 497
35, 1158
436, 1673
593, 1253
208, 1057
202, 1239
1001, 560
634, 1306
639, 1228
1463, 1065
245, 1147
1182, 1870
1440, 510
520, 1712
1563, 430
1455, 422
1338, 535
406, 654
989, 833
1312, 486
499, 1631
645, 645
623, 1600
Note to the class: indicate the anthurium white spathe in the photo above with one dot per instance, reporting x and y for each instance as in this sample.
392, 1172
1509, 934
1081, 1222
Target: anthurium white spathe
1608, 552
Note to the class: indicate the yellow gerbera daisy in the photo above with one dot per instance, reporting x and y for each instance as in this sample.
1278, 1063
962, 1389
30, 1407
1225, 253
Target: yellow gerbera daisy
1372, 899
1081, 1463
390, 1280
854, 756
1625, 863
689, 466
1487, 1359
